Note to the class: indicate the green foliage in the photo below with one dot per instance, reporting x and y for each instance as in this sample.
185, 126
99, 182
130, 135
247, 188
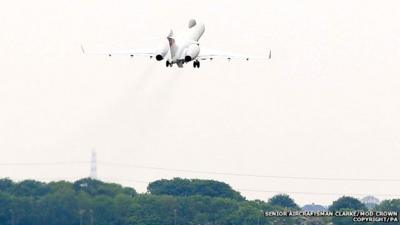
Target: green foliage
30, 188
283, 201
59, 208
98, 203
315, 221
6, 185
347, 203
96, 187
60, 203
186, 187
92, 201
389, 205
24, 188
5, 207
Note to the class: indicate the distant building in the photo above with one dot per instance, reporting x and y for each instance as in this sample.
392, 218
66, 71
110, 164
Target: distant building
314, 208
370, 201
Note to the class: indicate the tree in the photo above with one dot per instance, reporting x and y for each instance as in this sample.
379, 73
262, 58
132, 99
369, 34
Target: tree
60, 186
59, 208
29, 188
103, 210
6, 185
94, 202
346, 204
186, 187
283, 201
389, 205
96, 187
5, 208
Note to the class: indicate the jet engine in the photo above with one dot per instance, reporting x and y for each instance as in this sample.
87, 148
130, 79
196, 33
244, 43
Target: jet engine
162, 51
192, 52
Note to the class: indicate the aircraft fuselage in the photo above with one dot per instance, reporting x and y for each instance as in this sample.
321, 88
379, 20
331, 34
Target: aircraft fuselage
185, 47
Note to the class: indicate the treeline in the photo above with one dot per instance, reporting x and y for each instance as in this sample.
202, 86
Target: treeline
167, 202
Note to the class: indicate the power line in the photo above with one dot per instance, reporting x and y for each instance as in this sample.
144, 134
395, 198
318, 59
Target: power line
114, 179
275, 191
27, 164
43, 163
319, 193
251, 175
287, 192
124, 179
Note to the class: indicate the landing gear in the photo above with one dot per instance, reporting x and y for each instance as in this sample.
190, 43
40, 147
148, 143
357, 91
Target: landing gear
168, 64
196, 64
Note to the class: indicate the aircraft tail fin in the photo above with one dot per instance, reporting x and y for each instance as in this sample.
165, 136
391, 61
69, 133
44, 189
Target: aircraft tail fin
171, 39
192, 23
171, 33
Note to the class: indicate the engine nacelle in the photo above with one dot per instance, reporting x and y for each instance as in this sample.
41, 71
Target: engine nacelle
192, 52
162, 52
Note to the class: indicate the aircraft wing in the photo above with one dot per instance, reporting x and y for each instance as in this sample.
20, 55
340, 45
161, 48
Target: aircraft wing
206, 54
130, 52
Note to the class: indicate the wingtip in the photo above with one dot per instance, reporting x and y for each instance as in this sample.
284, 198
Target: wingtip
270, 54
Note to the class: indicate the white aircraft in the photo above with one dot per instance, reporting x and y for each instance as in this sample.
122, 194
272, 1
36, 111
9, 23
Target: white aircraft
182, 48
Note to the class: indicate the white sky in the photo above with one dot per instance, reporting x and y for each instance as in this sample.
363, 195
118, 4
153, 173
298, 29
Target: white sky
327, 105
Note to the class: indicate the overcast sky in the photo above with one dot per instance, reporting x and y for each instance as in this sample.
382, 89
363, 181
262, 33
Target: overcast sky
327, 104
